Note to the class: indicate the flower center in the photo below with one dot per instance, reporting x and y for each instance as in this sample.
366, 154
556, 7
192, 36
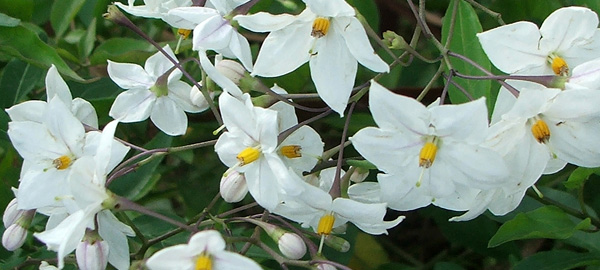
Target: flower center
427, 155
320, 27
248, 155
325, 224
540, 131
291, 151
184, 33
203, 262
62, 162
559, 65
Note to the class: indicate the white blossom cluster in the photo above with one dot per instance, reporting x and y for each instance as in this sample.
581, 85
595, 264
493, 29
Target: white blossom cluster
447, 155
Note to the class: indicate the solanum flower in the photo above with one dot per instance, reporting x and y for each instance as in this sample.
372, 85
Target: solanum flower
327, 35
568, 37
152, 92
34, 110
315, 208
205, 250
435, 148
249, 147
88, 207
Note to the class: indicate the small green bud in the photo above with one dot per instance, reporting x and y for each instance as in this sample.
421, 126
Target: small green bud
394, 41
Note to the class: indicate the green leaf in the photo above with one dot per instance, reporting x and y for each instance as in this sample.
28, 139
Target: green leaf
9, 21
579, 176
362, 164
18, 80
4, 125
23, 43
592, 4
138, 183
126, 50
557, 260
464, 42
62, 14
86, 44
545, 222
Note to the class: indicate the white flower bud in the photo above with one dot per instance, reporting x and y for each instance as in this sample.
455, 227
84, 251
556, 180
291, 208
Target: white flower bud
324, 266
92, 255
233, 187
11, 214
231, 69
292, 246
14, 237
359, 174
46, 266
197, 98
337, 243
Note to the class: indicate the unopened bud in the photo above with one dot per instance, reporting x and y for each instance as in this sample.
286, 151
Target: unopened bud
46, 266
14, 237
292, 246
197, 98
324, 266
231, 69
233, 187
359, 174
337, 243
114, 14
11, 214
92, 252
394, 41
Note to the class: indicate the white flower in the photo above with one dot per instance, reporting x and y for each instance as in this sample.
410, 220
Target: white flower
205, 250
34, 110
88, 204
315, 207
150, 94
249, 147
435, 149
327, 35
567, 38
157, 9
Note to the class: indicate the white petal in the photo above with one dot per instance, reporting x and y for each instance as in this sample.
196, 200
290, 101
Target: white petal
220, 79
115, 234
41, 188
237, 117
189, 17
56, 86
576, 142
158, 64
63, 125
262, 184
482, 166
365, 192
173, 257
333, 70
240, 48
397, 112
85, 112
169, 117
567, 27
367, 217
129, 76
400, 192
228, 146
212, 34
209, 240
140, 11
466, 121
513, 47
133, 105
264, 22
32, 110
34, 142
311, 148
358, 43
226, 260
575, 105
388, 150
284, 50
331, 8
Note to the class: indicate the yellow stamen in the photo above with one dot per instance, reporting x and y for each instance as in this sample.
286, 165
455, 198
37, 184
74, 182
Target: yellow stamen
559, 66
320, 27
326, 224
184, 33
540, 131
291, 151
203, 262
62, 162
248, 155
427, 155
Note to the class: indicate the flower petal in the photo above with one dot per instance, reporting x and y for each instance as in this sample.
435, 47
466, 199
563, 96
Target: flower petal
169, 117
264, 22
397, 112
330, 8
567, 27
129, 76
133, 105
358, 43
158, 64
56, 86
220, 79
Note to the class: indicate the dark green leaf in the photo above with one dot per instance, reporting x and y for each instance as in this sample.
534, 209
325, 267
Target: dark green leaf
579, 176
86, 44
22, 9
464, 42
545, 222
122, 50
447, 266
558, 260
63, 13
9, 21
18, 80
23, 43
3, 125
136, 184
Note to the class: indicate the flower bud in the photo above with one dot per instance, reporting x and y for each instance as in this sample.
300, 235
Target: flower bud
231, 69
324, 266
233, 187
197, 98
394, 41
92, 254
359, 174
11, 214
292, 246
46, 266
14, 237
337, 243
